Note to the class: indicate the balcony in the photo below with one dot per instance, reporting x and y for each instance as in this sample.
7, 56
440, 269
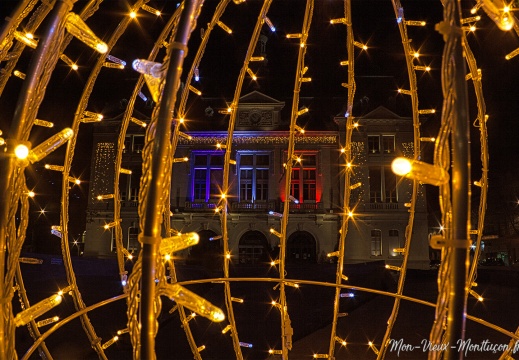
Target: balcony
306, 207
249, 206
253, 206
200, 206
383, 206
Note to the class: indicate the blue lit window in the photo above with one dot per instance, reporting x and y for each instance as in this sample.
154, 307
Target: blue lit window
207, 176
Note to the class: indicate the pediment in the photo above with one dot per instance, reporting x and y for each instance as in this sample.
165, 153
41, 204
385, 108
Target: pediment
256, 98
257, 111
380, 113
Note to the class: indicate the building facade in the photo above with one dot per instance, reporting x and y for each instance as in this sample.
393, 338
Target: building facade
257, 190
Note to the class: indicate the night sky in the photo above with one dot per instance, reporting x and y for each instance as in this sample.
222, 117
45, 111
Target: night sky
379, 72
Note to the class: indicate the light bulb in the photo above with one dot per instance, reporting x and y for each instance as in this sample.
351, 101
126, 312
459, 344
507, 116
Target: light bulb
77, 27
138, 122
354, 186
43, 123
195, 90
19, 74
394, 268
274, 232
37, 309
150, 10
69, 62
49, 145
142, 96
347, 295
276, 214
148, 67
417, 170
226, 329
194, 302
30, 42
105, 197
115, 60
269, 24
110, 342
415, 23
21, 151
302, 111
111, 65
47, 321
499, 12
224, 27
179, 242
251, 74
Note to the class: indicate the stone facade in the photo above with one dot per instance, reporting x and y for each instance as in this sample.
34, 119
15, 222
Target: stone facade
257, 189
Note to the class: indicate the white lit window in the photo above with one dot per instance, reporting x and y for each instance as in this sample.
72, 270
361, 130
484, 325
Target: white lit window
254, 177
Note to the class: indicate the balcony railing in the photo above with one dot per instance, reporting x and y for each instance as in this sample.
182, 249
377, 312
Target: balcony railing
253, 206
249, 206
306, 207
200, 206
384, 206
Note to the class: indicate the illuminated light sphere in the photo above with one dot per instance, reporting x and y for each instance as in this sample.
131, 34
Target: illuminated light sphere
21, 151
401, 166
359, 160
74, 67
77, 182
29, 35
167, 257
31, 194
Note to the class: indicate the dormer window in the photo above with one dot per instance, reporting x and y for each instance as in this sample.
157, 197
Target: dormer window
374, 144
388, 144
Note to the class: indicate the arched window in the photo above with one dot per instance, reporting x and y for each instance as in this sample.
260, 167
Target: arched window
253, 248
